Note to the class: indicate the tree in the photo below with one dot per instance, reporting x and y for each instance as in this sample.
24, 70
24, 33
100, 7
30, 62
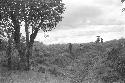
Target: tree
6, 32
34, 15
8, 43
123, 9
122, 1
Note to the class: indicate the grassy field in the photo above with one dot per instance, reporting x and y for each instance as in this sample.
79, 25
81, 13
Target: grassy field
28, 77
88, 63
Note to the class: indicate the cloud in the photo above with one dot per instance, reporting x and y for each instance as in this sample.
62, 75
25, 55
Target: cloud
81, 15
86, 34
85, 19
81, 12
108, 2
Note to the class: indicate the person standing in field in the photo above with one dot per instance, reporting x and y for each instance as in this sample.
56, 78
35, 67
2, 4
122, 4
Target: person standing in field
98, 39
70, 48
101, 40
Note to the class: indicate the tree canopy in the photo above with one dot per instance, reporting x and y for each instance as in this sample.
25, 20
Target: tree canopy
32, 15
122, 1
37, 14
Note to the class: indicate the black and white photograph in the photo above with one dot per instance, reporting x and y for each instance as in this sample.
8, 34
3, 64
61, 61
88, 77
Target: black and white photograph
62, 41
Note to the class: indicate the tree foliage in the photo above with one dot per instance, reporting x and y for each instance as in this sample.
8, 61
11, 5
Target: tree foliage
122, 1
35, 14
38, 14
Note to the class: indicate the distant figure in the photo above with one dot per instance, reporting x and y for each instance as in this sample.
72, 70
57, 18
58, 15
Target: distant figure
101, 40
70, 48
98, 39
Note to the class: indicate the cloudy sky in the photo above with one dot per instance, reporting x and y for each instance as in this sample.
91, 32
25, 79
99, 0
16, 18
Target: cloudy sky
85, 19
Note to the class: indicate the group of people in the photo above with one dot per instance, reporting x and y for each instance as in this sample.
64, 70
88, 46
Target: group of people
99, 40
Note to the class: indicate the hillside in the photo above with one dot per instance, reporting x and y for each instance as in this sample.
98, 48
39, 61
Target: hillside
87, 62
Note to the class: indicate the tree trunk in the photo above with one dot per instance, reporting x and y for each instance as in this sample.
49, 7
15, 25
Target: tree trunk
20, 55
22, 63
9, 50
9, 55
16, 33
28, 54
30, 45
